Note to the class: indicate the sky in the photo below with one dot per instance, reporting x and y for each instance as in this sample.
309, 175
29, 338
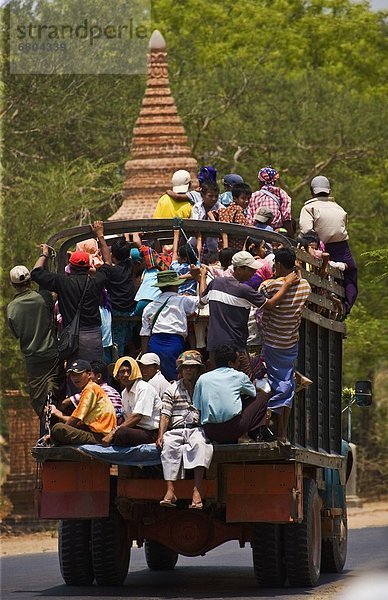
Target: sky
379, 4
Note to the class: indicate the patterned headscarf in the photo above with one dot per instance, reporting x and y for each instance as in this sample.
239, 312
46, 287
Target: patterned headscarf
91, 247
135, 369
268, 175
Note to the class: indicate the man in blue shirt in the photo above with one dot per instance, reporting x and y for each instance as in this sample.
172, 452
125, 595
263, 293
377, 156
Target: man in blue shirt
229, 404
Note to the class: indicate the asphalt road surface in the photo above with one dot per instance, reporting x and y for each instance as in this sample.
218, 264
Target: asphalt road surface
225, 572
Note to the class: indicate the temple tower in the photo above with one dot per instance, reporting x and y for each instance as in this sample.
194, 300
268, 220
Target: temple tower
159, 144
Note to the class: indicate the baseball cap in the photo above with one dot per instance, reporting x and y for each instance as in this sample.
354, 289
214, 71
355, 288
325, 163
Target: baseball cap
79, 259
190, 357
263, 214
149, 358
244, 259
232, 179
19, 275
181, 181
320, 184
79, 366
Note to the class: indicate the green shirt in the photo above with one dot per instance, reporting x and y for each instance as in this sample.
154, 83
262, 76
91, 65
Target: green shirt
30, 317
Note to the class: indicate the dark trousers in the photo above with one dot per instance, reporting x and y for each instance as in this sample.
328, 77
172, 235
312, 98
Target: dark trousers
340, 252
253, 415
134, 436
44, 377
67, 435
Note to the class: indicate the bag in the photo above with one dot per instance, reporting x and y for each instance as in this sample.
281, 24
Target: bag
68, 342
69, 339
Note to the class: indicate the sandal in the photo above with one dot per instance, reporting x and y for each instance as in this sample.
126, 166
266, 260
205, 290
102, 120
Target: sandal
170, 503
196, 505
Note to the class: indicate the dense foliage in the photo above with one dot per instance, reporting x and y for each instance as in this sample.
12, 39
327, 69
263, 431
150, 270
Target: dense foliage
295, 83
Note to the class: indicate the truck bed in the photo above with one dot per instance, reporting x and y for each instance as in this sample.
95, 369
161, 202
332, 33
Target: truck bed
223, 453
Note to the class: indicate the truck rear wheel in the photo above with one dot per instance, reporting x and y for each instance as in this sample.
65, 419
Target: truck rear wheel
303, 541
75, 557
334, 551
110, 549
268, 555
159, 557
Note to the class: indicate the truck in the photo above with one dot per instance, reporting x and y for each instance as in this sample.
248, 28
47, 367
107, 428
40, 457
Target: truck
288, 501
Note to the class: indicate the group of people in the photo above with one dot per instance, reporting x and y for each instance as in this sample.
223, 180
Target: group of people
194, 382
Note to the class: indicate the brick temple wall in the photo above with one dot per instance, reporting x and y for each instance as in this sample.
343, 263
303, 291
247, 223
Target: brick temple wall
19, 486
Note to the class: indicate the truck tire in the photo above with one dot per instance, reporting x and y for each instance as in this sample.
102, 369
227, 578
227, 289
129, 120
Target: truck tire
110, 549
334, 551
303, 541
268, 555
159, 557
75, 557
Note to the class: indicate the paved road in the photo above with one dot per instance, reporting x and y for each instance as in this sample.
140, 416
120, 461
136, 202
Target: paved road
223, 573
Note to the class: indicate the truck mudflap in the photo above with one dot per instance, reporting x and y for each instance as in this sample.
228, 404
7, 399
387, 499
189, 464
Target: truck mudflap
71, 490
269, 493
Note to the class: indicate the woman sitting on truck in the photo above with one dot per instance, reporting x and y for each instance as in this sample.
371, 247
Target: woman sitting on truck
141, 407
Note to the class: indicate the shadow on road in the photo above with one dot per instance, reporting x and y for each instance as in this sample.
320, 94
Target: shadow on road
191, 582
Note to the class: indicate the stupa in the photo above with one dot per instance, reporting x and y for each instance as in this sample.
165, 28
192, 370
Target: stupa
159, 144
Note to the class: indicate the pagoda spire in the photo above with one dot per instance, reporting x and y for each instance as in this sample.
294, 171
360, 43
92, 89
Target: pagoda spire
159, 143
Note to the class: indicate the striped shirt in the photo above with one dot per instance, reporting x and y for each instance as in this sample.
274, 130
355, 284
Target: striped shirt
281, 325
229, 305
177, 405
189, 286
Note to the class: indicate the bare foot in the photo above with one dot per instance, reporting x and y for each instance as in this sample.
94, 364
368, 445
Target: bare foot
244, 439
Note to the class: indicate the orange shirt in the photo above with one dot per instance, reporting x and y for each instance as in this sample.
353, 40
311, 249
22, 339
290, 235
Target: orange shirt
95, 409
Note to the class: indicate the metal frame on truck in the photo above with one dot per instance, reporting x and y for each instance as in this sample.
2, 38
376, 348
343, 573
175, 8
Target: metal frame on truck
287, 501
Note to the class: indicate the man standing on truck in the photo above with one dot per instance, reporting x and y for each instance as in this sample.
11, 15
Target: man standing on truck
70, 287
329, 220
164, 322
95, 415
181, 438
30, 317
230, 301
281, 334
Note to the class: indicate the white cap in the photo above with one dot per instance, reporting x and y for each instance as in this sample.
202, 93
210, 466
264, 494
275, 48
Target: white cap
244, 259
150, 358
320, 184
181, 181
19, 275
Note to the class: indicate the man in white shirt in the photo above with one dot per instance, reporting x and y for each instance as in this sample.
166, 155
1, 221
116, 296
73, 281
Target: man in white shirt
164, 323
141, 407
322, 214
149, 365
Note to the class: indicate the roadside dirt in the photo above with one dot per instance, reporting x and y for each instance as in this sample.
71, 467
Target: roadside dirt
372, 514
